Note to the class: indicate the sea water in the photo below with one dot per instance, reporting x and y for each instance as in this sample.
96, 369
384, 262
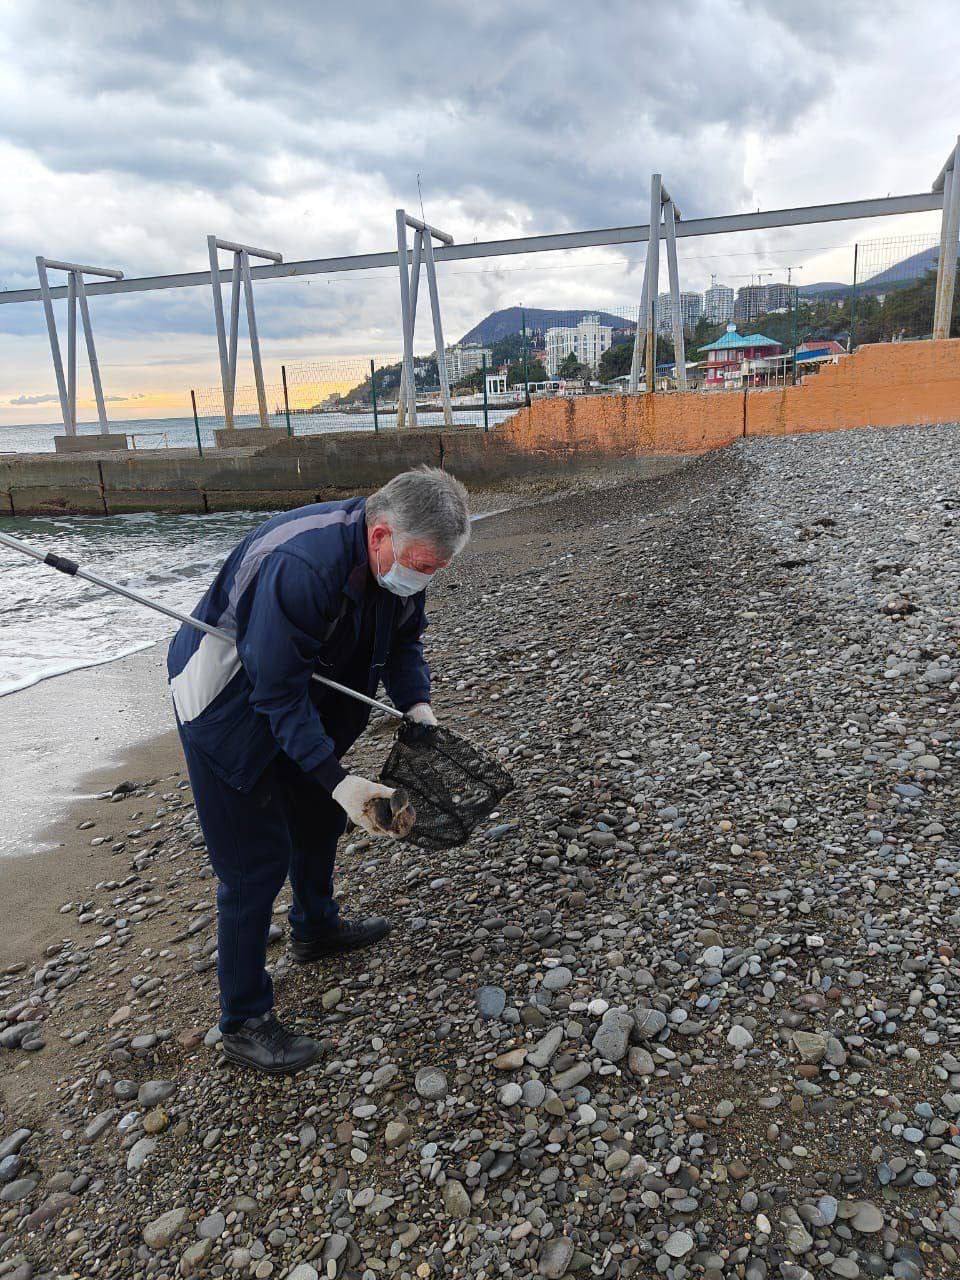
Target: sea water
50, 623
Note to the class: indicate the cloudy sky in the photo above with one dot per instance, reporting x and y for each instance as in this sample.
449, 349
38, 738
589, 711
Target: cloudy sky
131, 130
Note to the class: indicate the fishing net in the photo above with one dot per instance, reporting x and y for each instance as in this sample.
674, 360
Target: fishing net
451, 784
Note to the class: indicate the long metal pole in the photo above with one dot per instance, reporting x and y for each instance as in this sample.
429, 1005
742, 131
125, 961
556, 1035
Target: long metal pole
74, 570
51, 319
406, 317
286, 398
640, 333
853, 302
72, 351
653, 283
373, 394
221, 331
948, 283
941, 257
417, 257
92, 354
235, 286
673, 271
196, 421
437, 329
526, 376
254, 340
486, 406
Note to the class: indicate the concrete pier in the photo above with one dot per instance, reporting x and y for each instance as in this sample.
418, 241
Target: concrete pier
288, 473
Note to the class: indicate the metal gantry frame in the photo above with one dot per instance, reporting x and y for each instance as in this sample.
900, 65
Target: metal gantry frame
241, 274
424, 236
75, 292
664, 215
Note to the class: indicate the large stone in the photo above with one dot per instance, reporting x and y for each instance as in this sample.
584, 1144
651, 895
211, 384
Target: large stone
679, 1244
455, 1199
811, 1047
555, 1257
648, 1023
431, 1083
194, 1257
491, 1001
613, 1035
161, 1231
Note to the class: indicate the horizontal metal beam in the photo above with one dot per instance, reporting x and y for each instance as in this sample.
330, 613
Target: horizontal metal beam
417, 225
55, 265
888, 206
231, 247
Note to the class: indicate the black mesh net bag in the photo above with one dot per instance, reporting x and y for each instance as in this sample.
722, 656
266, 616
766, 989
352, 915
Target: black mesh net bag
453, 786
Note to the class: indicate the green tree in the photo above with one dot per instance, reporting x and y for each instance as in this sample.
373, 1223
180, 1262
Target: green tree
535, 372
571, 368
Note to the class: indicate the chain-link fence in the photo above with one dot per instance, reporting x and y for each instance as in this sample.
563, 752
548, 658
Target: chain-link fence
895, 289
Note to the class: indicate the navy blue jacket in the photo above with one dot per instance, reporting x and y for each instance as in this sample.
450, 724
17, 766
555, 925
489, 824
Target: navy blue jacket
291, 597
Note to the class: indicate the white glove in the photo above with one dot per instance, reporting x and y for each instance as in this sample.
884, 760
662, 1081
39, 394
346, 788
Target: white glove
358, 798
422, 713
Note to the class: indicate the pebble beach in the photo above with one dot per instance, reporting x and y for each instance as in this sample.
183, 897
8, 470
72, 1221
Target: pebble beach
685, 1007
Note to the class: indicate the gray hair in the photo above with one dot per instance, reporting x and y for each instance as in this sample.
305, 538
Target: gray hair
427, 504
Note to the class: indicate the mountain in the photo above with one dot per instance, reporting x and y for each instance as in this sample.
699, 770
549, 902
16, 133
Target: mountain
823, 288
504, 324
913, 268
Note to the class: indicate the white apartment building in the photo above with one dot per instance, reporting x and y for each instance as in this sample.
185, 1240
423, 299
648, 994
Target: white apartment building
464, 357
718, 304
587, 341
691, 309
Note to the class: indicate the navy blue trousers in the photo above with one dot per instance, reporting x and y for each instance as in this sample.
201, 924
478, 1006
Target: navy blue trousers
288, 825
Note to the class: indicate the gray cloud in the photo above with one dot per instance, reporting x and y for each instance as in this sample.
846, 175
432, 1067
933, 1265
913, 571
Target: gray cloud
134, 130
38, 399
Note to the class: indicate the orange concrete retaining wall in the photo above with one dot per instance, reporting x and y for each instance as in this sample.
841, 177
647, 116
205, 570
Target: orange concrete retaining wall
890, 384
887, 385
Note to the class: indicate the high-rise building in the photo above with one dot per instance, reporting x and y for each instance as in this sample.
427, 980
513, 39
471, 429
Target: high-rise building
464, 357
691, 309
751, 302
587, 341
781, 297
718, 303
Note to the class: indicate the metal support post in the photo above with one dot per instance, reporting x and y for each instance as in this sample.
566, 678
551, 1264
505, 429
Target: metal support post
673, 270
949, 231
196, 421
373, 395
414, 297
240, 274
639, 336
72, 351
653, 282
526, 373
286, 398
437, 329
851, 342
76, 293
486, 406
407, 387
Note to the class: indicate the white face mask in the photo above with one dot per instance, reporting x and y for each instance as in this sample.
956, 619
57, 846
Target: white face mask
401, 580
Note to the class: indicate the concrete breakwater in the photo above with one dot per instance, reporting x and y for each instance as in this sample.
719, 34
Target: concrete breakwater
286, 474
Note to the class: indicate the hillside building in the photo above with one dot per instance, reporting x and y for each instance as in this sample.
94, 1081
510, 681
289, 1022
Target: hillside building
463, 358
691, 309
587, 341
718, 304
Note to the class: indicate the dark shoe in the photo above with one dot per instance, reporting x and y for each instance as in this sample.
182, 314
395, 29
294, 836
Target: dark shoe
349, 935
266, 1045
